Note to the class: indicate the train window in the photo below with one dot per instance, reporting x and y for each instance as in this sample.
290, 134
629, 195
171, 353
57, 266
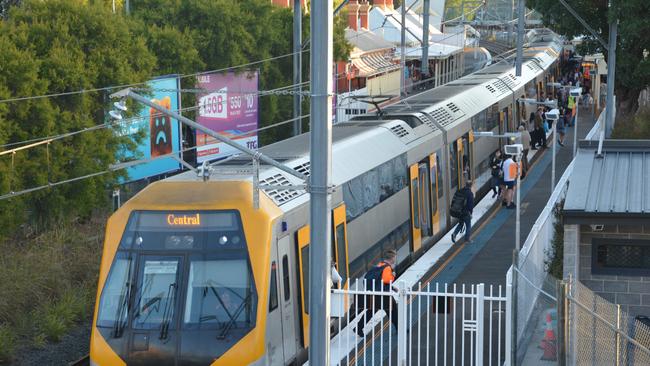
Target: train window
434, 201
341, 248
374, 186
453, 164
285, 278
304, 253
273, 297
115, 295
416, 203
492, 120
440, 187
217, 288
156, 292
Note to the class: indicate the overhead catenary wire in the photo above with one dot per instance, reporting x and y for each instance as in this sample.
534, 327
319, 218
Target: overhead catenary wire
123, 86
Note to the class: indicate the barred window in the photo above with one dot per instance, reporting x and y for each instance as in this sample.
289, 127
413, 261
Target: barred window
621, 256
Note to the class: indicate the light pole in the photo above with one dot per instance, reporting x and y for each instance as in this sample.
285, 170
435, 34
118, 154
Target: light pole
576, 92
553, 115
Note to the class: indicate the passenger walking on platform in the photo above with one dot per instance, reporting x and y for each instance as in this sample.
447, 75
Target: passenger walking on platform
462, 206
561, 131
378, 278
497, 174
525, 142
510, 181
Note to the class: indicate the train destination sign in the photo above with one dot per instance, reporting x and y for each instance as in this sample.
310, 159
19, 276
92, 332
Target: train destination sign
184, 220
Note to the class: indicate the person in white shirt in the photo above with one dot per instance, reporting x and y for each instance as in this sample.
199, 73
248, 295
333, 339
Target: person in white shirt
510, 171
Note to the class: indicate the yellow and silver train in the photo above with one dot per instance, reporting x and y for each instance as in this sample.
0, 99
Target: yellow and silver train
192, 274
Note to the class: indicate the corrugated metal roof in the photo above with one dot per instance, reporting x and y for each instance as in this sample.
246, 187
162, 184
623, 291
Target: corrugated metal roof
619, 182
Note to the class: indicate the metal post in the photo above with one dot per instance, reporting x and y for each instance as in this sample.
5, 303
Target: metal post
480, 322
618, 334
513, 313
425, 40
297, 65
402, 301
403, 49
520, 37
518, 204
127, 7
553, 159
575, 128
321, 167
561, 322
511, 23
611, 75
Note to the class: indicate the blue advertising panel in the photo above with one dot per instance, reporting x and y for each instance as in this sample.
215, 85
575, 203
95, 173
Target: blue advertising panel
161, 133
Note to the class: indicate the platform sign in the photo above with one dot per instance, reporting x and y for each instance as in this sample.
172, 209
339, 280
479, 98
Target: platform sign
161, 133
229, 106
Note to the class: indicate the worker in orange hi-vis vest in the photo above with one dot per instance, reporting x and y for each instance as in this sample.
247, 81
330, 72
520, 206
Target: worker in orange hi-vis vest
510, 172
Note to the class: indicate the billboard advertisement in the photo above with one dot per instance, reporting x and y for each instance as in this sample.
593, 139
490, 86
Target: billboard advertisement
228, 106
161, 133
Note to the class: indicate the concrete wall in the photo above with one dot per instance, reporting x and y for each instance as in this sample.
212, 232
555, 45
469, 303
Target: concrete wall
633, 293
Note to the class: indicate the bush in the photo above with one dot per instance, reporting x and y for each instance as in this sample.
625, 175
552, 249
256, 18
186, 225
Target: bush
47, 284
555, 263
7, 344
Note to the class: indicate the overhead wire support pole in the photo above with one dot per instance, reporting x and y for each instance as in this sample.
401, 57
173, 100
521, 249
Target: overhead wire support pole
321, 166
611, 77
425, 40
520, 37
297, 65
403, 51
128, 93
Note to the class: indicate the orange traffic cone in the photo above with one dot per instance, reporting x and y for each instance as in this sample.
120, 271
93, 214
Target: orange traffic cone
549, 342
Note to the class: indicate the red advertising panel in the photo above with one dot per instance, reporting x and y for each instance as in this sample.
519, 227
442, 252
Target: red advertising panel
228, 106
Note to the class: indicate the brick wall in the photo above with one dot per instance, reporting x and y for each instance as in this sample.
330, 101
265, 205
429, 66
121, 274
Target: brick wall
633, 293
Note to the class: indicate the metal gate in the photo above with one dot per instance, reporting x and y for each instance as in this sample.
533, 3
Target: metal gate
436, 324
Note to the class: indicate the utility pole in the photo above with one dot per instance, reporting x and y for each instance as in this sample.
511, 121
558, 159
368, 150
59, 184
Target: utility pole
297, 65
425, 40
511, 23
321, 167
520, 37
403, 48
611, 75
127, 7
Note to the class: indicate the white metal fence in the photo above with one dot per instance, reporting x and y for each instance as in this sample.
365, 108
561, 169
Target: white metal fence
433, 324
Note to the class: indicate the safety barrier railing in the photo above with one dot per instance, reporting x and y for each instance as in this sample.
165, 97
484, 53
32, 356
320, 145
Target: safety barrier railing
432, 324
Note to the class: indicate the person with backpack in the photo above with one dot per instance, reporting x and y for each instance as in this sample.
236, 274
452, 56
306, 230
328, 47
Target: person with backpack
510, 170
378, 278
497, 174
461, 208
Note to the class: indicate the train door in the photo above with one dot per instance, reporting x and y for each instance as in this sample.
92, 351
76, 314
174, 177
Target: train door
425, 198
340, 241
303, 273
433, 178
274, 346
286, 301
416, 230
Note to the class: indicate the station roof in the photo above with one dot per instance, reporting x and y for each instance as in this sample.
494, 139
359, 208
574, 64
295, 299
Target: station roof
614, 186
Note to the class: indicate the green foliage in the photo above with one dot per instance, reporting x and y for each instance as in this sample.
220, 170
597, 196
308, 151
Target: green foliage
632, 67
7, 344
634, 127
555, 263
47, 284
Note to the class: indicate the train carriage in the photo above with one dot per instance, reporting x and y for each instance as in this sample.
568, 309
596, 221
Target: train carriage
192, 274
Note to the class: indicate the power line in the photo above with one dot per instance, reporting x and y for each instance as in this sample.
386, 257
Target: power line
92, 90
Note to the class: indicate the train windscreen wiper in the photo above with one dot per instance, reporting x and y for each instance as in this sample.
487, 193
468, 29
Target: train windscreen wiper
168, 312
230, 324
118, 327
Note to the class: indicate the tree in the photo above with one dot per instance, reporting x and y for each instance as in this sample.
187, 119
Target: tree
52, 47
632, 66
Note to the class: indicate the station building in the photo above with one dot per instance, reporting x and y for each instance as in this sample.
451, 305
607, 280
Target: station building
607, 222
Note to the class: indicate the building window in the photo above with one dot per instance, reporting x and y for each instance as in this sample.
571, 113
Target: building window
628, 257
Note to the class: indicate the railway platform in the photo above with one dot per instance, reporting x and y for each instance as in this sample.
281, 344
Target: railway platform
486, 260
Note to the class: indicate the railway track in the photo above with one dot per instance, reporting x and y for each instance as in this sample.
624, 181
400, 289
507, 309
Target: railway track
84, 361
